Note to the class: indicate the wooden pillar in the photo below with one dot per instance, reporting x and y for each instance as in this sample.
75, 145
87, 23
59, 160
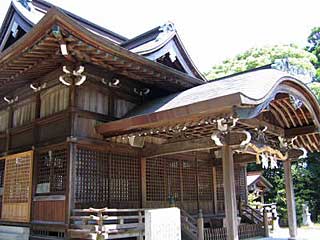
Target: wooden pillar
8, 131
230, 201
200, 226
143, 182
70, 197
214, 190
292, 219
265, 222
197, 181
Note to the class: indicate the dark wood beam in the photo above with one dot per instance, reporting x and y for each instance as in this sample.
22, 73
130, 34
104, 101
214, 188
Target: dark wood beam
256, 123
178, 147
292, 132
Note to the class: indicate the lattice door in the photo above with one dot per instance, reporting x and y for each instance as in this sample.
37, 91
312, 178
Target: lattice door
17, 187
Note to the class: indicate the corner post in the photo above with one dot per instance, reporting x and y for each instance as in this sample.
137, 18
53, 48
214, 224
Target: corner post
265, 222
292, 218
230, 201
200, 226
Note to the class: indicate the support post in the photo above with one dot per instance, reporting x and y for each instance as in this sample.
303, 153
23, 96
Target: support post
215, 195
265, 222
70, 201
143, 182
292, 219
200, 226
230, 201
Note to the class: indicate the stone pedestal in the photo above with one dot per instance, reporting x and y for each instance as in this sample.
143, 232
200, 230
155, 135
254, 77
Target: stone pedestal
163, 224
306, 216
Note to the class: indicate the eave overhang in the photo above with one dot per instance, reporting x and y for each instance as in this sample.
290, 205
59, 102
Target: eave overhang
232, 97
27, 58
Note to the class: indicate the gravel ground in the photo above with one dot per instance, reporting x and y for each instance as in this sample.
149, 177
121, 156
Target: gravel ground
304, 233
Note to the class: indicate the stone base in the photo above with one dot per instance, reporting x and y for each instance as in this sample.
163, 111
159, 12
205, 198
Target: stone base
14, 233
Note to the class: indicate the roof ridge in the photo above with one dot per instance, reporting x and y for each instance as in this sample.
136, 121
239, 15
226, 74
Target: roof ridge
80, 19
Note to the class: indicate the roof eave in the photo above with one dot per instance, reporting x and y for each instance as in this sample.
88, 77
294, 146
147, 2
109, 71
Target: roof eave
222, 106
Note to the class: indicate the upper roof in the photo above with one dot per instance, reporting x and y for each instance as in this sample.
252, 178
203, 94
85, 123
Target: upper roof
38, 8
160, 41
156, 44
38, 53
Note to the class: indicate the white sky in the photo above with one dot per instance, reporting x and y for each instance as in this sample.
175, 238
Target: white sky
211, 30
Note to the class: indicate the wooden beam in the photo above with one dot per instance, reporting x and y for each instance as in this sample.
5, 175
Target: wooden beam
297, 131
178, 147
256, 123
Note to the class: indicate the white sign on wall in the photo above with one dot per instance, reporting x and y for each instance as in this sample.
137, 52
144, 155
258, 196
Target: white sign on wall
163, 224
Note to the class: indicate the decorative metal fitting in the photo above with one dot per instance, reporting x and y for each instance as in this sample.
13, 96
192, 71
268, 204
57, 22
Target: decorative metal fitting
39, 87
113, 83
12, 100
141, 92
69, 76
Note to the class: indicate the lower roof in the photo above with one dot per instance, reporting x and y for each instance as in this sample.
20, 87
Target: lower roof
245, 96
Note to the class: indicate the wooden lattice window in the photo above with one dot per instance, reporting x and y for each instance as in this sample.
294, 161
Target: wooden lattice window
24, 113
173, 171
240, 186
2, 167
124, 179
156, 184
205, 180
189, 179
107, 179
92, 178
54, 100
52, 171
163, 179
17, 187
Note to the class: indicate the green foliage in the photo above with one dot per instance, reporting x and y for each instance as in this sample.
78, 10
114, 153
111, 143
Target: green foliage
306, 172
306, 179
253, 200
257, 57
315, 87
314, 48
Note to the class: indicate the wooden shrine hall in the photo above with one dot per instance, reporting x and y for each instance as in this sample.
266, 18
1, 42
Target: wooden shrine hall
95, 128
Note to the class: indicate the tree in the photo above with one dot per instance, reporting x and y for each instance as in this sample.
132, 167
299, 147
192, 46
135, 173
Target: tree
314, 48
257, 57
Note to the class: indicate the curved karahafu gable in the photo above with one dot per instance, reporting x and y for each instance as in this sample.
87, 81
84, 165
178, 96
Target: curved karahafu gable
266, 97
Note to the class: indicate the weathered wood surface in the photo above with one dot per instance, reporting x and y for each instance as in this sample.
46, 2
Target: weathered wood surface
230, 201
245, 231
49, 211
291, 204
109, 223
17, 187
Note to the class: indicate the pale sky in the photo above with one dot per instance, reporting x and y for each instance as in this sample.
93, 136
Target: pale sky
211, 30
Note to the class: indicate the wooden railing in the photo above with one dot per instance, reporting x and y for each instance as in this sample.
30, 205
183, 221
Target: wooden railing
244, 231
254, 215
194, 228
100, 224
